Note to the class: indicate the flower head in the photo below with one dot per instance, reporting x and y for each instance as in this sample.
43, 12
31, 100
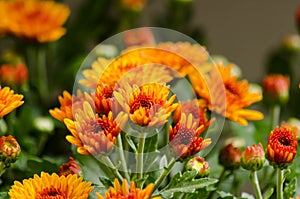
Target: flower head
34, 20
237, 95
147, 105
230, 157
13, 75
51, 186
93, 134
276, 89
126, 192
138, 37
282, 147
253, 157
135, 5
69, 168
68, 103
200, 165
185, 137
9, 101
9, 149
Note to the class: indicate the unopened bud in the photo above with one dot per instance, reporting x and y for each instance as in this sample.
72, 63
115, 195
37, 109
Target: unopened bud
230, 157
200, 165
9, 149
253, 157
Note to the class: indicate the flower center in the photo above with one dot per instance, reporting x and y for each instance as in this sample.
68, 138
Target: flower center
284, 141
232, 90
184, 136
141, 101
51, 193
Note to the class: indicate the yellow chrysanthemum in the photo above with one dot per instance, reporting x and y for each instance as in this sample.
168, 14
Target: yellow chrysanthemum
237, 95
9, 101
93, 75
51, 186
147, 105
92, 134
126, 192
68, 103
35, 20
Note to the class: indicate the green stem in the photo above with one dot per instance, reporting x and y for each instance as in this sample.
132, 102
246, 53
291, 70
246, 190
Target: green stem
114, 169
164, 174
122, 157
140, 156
254, 180
42, 74
2, 168
275, 116
279, 188
221, 178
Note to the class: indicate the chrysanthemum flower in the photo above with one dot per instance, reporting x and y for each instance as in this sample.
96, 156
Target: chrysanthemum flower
70, 167
276, 89
230, 157
147, 105
136, 5
200, 165
237, 95
192, 107
68, 103
9, 101
126, 192
9, 149
185, 137
93, 75
34, 20
51, 186
138, 37
253, 157
92, 134
282, 147
13, 75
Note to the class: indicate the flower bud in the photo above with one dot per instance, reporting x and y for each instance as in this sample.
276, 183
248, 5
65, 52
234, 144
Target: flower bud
13, 75
200, 165
9, 149
230, 157
253, 158
282, 147
69, 168
276, 89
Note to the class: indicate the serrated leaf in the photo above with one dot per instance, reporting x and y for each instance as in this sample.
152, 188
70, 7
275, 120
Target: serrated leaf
187, 186
269, 193
226, 195
290, 188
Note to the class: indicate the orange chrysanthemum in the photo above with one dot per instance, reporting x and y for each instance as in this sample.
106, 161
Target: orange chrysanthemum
193, 107
35, 20
92, 134
9, 101
126, 192
282, 147
68, 103
147, 105
51, 186
237, 95
13, 75
185, 137
134, 4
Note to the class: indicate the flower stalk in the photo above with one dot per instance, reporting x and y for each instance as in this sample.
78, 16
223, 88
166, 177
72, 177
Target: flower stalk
140, 156
122, 157
164, 174
114, 169
280, 180
255, 182
275, 115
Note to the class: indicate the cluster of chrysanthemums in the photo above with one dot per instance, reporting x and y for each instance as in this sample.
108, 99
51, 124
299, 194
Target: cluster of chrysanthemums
131, 95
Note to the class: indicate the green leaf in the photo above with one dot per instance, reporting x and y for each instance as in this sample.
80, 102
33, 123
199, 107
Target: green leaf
269, 193
186, 184
290, 188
